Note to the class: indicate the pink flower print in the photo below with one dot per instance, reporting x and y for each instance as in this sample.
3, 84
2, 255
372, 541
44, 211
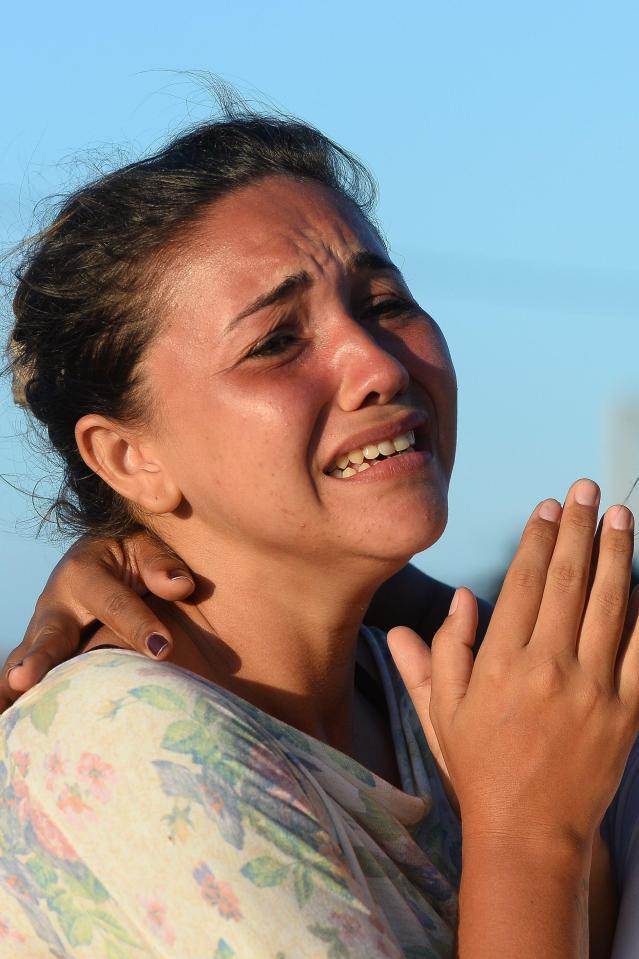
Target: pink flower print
48, 834
217, 893
156, 920
21, 761
97, 774
7, 932
54, 765
70, 801
18, 887
282, 785
349, 926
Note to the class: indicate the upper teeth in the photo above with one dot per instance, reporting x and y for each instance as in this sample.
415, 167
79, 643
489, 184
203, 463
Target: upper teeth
343, 465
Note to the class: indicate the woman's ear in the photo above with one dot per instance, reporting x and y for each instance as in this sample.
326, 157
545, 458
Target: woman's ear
126, 463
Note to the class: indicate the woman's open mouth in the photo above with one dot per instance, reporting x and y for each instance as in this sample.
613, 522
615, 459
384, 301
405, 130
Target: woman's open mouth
369, 456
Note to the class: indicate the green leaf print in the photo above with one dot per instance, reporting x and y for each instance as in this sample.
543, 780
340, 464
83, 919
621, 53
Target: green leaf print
184, 736
265, 871
77, 927
326, 934
159, 697
87, 888
43, 712
204, 712
367, 860
43, 874
115, 950
377, 820
224, 951
111, 926
296, 848
303, 882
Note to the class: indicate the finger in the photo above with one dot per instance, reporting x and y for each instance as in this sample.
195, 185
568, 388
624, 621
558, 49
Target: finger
627, 672
61, 633
452, 652
8, 694
32, 669
562, 605
161, 570
129, 617
517, 608
605, 613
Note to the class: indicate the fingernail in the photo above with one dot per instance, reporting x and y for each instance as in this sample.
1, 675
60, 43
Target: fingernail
453, 605
586, 493
550, 510
621, 517
15, 666
179, 574
156, 644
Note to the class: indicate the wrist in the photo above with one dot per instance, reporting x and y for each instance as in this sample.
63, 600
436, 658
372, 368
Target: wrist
528, 845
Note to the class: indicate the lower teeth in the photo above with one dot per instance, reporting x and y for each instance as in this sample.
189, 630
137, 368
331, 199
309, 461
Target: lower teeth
352, 469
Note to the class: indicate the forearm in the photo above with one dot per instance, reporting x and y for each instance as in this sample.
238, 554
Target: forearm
523, 901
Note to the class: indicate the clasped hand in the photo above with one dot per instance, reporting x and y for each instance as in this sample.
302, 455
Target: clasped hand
534, 735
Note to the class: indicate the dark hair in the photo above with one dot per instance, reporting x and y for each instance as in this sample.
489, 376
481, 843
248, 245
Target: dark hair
86, 304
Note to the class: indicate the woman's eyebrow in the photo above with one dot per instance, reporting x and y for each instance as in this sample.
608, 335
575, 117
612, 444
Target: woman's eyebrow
290, 285
365, 260
283, 291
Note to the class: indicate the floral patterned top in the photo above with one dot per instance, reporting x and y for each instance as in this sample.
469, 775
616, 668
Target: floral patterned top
146, 812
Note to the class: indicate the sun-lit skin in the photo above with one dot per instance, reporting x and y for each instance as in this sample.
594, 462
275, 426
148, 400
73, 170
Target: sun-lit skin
248, 417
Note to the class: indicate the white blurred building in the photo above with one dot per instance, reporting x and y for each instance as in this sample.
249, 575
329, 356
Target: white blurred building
621, 452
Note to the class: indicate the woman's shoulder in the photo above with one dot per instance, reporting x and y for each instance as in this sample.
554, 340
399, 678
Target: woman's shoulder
109, 692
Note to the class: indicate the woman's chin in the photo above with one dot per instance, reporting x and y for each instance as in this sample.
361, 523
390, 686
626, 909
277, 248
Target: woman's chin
402, 536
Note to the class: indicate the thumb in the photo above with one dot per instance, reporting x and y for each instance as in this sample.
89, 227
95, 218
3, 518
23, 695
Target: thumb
452, 654
414, 662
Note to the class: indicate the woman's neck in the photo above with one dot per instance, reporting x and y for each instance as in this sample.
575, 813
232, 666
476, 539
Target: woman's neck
278, 633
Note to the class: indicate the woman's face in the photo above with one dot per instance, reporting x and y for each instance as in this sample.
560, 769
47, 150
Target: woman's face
289, 341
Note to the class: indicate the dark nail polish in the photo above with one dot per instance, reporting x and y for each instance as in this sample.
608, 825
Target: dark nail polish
156, 644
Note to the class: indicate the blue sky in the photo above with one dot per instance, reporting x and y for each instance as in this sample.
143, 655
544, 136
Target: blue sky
505, 141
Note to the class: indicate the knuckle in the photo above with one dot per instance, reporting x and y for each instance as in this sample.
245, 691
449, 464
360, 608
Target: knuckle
579, 518
566, 576
116, 603
611, 600
73, 564
528, 578
549, 676
617, 542
594, 691
496, 670
49, 636
540, 532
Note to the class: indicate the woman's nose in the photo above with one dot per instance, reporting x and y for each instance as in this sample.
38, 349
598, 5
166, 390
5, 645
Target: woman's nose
370, 374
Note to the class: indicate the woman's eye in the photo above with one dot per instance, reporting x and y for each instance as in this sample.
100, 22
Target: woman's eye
276, 344
391, 306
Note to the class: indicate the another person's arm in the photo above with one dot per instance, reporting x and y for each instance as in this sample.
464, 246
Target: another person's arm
104, 581
97, 581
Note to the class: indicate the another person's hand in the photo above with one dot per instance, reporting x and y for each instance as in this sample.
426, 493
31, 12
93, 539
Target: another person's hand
536, 733
97, 581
